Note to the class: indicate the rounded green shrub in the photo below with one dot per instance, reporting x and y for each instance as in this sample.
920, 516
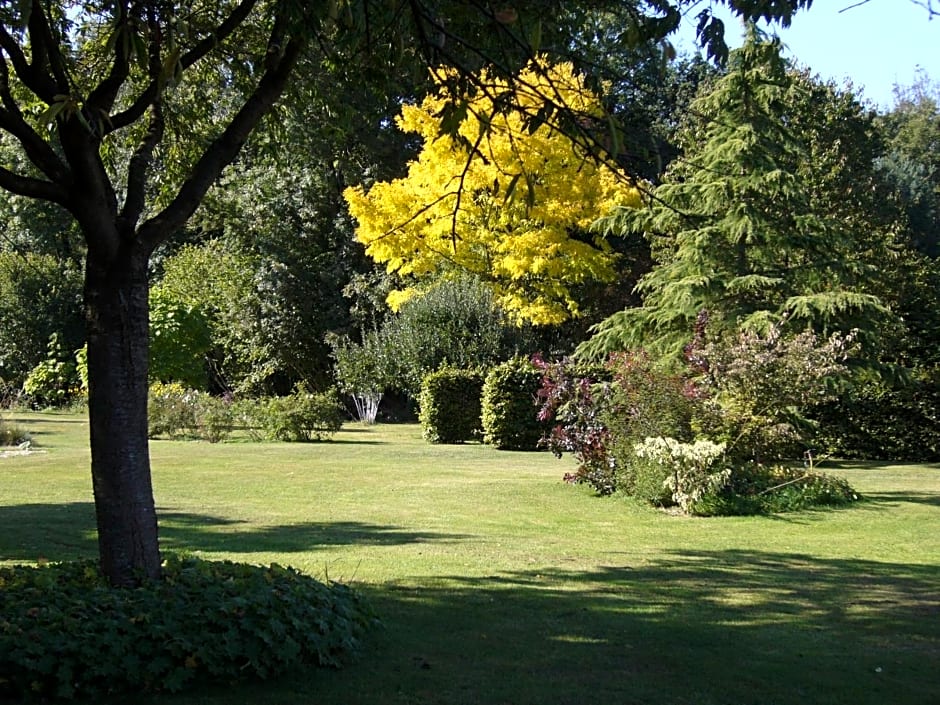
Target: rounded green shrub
302, 416
754, 488
171, 410
450, 405
510, 406
64, 633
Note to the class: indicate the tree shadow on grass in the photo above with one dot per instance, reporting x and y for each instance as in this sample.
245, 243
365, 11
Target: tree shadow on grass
894, 498
702, 627
186, 531
52, 531
59, 532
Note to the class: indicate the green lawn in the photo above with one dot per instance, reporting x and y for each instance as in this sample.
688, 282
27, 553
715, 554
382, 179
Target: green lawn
497, 583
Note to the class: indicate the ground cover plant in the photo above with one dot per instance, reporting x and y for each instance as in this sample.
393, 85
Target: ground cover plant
67, 634
496, 582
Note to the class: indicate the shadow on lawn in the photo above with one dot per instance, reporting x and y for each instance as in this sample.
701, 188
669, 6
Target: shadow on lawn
184, 531
66, 531
733, 627
703, 627
893, 498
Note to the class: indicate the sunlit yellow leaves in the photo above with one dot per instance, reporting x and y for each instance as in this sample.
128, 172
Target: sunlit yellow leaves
503, 195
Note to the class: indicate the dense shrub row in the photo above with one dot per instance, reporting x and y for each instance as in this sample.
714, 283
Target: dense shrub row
64, 633
508, 406
176, 412
461, 405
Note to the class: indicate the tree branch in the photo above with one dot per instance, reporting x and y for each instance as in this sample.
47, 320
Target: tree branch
225, 147
45, 50
36, 148
139, 165
102, 97
32, 188
203, 47
44, 89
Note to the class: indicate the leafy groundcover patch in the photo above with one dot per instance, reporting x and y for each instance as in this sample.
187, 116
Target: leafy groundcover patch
64, 633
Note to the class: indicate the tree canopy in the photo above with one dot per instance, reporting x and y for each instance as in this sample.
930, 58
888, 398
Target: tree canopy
503, 198
770, 215
124, 113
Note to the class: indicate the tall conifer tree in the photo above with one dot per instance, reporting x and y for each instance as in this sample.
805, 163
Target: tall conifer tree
740, 226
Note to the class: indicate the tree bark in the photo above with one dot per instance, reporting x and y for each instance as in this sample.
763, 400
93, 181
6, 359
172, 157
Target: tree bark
117, 320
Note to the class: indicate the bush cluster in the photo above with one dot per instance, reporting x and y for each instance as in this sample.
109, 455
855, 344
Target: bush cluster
450, 403
301, 416
54, 381
714, 438
758, 489
508, 406
64, 633
177, 412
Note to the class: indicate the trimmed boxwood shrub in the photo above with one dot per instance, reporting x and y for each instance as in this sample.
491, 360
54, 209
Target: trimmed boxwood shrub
450, 405
510, 406
64, 633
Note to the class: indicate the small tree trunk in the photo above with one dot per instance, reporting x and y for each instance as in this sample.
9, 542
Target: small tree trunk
117, 319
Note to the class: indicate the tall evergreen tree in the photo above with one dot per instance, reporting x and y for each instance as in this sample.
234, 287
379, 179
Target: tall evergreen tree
747, 224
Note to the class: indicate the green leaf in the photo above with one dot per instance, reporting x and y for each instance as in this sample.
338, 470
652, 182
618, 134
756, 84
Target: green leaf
535, 37
511, 188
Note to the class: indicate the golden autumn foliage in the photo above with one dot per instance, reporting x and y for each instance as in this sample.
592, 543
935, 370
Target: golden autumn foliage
501, 200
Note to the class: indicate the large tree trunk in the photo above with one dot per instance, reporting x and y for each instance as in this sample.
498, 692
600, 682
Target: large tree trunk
117, 318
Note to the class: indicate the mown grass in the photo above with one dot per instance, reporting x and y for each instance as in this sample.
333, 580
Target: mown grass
498, 583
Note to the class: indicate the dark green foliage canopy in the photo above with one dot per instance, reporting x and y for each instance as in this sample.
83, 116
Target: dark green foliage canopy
767, 217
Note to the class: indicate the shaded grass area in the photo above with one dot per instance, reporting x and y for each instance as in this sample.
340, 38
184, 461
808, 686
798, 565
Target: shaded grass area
497, 583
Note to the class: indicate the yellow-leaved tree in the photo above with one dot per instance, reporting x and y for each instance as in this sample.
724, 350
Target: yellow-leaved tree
506, 196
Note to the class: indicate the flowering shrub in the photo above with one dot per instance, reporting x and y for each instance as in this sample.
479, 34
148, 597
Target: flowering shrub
690, 473
756, 387
171, 410
599, 422
575, 404
177, 412
655, 434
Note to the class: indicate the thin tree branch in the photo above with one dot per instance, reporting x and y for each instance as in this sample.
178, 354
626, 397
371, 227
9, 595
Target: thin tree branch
32, 188
200, 50
102, 97
41, 85
225, 147
140, 163
36, 148
45, 49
